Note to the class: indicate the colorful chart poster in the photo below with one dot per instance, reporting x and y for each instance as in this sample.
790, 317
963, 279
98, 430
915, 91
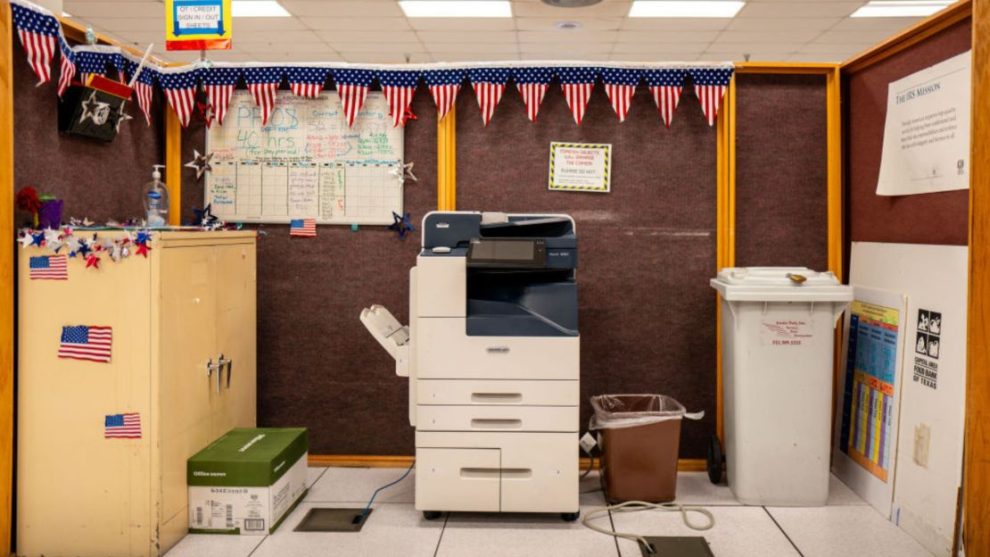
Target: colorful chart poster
197, 25
867, 433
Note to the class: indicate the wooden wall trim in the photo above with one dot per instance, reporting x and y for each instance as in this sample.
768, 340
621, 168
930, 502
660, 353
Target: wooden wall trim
725, 250
447, 161
910, 36
379, 461
6, 274
790, 68
976, 460
173, 165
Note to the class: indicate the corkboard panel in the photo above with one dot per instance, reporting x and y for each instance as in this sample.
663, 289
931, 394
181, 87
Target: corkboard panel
933, 218
646, 250
96, 179
318, 367
781, 171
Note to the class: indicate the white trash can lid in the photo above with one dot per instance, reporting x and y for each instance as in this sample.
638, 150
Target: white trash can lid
780, 284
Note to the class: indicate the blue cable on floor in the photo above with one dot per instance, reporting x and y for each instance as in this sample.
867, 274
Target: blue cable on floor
367, 510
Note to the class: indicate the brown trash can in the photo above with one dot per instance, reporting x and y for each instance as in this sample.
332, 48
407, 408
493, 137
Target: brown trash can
640, 437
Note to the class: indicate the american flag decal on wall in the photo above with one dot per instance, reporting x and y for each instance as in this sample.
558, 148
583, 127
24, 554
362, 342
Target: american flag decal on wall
399, 88
122, 426
352, 87
577, 84
86, 342
620, 86
444, 86
48, 267
489, 84
666, 87
709, 85
263, 84
38, 33
302, 228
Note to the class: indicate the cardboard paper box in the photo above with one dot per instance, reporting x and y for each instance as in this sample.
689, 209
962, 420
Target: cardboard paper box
247, 481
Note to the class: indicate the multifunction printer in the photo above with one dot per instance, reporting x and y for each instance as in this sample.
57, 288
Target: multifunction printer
492, 353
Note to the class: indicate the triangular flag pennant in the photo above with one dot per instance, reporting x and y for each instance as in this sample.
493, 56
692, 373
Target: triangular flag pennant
180, 91
67, 67
532, 84
399, 88
352, 87
489, 84
306, 82
577, 84
91, 60
666, 87
38, 32
263, 84
219, 84
144, 87
444, 86
709, 85
620, 85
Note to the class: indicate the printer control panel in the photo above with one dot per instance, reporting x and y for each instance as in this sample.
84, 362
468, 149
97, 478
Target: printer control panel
507, 252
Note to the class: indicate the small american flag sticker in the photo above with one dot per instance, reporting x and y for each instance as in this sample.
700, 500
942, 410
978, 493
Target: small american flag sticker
86, 342
48, 267
304, 228
122, 426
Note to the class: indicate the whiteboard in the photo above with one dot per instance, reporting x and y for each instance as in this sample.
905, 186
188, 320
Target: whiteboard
306, 163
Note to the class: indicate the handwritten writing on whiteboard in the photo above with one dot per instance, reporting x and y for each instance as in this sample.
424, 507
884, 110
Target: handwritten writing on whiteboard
307, 163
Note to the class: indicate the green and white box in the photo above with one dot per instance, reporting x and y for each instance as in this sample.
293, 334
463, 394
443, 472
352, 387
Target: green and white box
247, 481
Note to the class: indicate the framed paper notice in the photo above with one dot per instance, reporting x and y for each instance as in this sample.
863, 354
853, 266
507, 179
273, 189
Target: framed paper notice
580, 166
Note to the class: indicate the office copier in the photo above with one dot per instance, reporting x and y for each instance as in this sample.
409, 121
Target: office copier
492, 356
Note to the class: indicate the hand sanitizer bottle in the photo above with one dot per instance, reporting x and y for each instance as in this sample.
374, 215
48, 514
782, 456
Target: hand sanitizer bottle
156, 200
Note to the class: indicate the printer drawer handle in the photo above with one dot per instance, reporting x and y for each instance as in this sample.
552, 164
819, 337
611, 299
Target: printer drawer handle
498, 349
496, 423
496, 397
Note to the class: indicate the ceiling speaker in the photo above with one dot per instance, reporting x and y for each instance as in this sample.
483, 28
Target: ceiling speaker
571, 3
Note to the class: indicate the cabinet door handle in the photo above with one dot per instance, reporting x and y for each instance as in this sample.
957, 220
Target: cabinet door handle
230, 371
496, 397
496, 423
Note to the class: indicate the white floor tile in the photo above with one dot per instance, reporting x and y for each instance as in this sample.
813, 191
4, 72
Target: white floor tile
840, 494
523, 535
355, 485
215, 545
392, 529
313, 473
738, 532
590, 488
844, 532
694, 488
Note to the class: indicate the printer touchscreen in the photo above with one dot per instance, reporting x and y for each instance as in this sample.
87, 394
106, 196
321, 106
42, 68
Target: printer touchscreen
505, 253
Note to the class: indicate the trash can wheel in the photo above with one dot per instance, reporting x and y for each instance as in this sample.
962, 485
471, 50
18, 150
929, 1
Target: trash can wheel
570, 517
715, 458
431, 515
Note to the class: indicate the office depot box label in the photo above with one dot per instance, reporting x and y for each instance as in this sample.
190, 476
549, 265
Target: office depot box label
247, 481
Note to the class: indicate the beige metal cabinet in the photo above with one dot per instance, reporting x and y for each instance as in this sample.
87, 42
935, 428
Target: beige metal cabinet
174, 316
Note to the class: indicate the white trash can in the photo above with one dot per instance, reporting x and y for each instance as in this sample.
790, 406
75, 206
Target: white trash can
777, 349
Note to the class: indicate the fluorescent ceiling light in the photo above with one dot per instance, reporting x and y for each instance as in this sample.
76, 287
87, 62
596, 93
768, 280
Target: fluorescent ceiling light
882, 8
700, 8
258, 8
456, 8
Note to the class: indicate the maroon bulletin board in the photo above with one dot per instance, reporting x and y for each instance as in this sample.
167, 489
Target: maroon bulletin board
646, 250
933, 218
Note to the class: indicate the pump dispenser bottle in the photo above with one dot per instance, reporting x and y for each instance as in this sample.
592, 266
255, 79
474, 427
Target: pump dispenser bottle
156, 200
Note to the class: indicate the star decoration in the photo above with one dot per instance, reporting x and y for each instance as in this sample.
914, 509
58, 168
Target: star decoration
83, 223
142, 249
402, 224
200, 163
206, 111
38, 239
206, 219
122, 116
406, 173
26, 239
84, 248
95, 110
73, 244
93, 261
53, 239
142, 241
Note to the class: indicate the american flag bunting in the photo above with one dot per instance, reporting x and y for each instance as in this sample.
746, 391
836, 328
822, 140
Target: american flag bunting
302, 228
122, 426
38, 33
219, 84
444, 86
86, 342
306, 82
67, 65
577, 84
144, 87
709, 85
352, 88
620, 86
91, 62
532, 84
666, 87
399, 88
263, 84
489, 85
180, 90
48, 267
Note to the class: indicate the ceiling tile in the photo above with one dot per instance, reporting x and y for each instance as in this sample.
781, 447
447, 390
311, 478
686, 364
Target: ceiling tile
585, 49
639, 48
739, 56
127, 24
464, 56
798, 9
385, 57
143, 9
275, 36
855, 37
658, 56
290, 48
396, 48
615, 8
351, 8
462, 24
586, 23
466, 37
785, 37
567, 37
848, 48
834, 57
244, 25
500, 49
766, 24
656, 37
676, 24
380, 37
554, 55
357, 23
891, 24
287, 56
